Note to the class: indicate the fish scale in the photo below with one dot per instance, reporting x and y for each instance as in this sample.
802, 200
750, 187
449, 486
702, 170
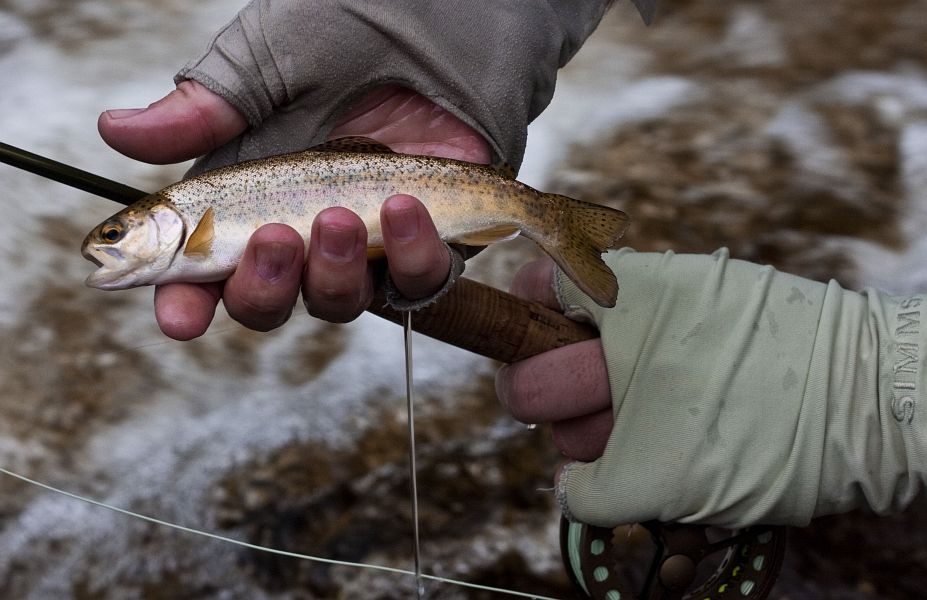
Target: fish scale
288, 191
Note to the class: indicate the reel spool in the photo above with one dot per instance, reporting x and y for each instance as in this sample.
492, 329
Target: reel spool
688, 561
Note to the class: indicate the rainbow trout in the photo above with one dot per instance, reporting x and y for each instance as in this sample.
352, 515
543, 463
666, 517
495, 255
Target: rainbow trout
196, 230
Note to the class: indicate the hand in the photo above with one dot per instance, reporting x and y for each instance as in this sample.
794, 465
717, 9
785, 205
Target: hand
335, 279
567, 387
740, 395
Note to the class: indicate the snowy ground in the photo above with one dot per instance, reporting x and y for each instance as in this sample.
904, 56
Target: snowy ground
795, 141
97, 401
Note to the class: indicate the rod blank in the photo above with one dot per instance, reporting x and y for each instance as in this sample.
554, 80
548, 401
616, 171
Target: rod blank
68, 175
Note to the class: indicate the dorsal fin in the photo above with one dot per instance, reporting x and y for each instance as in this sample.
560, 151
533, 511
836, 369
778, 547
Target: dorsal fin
199, 243
355, 143
505, 169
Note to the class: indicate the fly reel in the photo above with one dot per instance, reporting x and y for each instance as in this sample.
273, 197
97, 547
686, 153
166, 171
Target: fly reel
686, 562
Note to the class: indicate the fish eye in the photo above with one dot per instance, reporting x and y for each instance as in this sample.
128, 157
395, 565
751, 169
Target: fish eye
111, 232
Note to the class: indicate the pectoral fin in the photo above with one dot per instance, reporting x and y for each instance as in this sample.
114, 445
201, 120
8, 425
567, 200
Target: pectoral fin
199, 244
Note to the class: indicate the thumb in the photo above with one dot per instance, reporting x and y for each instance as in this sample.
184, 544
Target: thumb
595, 493
188, 122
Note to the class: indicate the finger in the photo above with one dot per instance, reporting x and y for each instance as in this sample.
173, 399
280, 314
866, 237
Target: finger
535, 282
564, 383
185, 310
337, 286
261, 292
418, 260
583, 438
186, 123
411, 123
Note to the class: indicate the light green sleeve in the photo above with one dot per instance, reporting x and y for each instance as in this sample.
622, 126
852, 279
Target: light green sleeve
744, 395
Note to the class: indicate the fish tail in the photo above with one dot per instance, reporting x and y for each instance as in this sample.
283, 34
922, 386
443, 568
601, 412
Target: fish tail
582, 233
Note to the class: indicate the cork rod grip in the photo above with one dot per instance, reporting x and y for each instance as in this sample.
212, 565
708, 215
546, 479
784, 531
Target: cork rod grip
491, 323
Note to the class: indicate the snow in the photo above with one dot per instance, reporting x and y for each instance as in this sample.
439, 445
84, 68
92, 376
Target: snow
170, 447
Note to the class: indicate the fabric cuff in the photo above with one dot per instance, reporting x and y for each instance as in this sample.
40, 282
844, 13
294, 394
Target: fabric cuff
291, 67
398, 302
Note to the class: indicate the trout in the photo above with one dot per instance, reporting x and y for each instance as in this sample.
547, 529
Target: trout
196, 230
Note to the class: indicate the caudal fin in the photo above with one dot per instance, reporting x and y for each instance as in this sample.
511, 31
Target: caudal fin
583, 232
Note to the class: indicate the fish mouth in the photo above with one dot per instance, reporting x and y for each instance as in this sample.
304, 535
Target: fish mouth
107, 276
105, 279
91, 258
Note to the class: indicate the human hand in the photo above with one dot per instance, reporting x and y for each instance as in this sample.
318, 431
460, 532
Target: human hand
276, 80
567, 387
335, 278
739, 394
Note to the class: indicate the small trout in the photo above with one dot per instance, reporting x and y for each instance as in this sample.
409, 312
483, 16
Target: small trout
196, 230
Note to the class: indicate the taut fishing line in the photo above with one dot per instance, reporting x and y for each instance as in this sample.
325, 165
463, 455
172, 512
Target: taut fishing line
413, 471
416, 573
269, 550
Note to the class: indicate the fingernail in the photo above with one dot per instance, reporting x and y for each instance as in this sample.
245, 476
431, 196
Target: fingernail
338, 244
273, 259
124, 113
402, 216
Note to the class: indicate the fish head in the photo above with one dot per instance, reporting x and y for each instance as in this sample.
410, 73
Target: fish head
134, 246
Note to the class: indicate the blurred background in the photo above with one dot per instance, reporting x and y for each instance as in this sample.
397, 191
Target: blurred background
793, 133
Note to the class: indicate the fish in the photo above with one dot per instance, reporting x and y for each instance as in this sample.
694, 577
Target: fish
195, 230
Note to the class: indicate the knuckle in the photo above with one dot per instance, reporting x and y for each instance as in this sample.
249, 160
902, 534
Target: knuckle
259, 308
416, 273
260, 314
421, 281
420, 273
334, 305
337, 299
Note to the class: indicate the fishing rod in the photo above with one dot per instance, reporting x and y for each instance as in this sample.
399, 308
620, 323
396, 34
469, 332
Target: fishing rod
741, 564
